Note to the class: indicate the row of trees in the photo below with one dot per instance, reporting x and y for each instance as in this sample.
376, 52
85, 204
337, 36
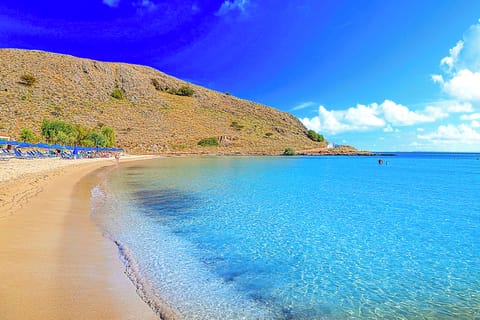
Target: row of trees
60, 132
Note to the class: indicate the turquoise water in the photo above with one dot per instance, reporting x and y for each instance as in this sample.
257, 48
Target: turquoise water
300, 237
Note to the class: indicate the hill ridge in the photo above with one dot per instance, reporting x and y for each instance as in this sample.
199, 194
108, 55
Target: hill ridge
151, 118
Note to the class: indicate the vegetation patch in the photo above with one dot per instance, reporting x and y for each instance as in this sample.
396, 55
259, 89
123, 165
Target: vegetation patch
315, 136
208, 142
56, 131
185, 91
289, 152
27, 135
235, 125
179, 146
268, 134
28, 80
118, 93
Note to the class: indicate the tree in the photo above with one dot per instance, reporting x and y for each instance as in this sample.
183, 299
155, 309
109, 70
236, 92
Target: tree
82, 136
98, 139
315, 136
27, 135
57, 131
109, 135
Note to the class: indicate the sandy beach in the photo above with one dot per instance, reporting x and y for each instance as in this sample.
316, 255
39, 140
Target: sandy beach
55, 263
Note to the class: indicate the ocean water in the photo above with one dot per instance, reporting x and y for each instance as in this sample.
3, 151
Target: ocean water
300, 237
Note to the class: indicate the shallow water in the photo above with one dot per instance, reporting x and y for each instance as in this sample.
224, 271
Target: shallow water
301, 237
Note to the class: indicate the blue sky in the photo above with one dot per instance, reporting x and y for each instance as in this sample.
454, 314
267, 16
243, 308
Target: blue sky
380, 75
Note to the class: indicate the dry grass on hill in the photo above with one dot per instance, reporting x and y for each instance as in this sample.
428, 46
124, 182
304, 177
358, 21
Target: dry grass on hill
148, 119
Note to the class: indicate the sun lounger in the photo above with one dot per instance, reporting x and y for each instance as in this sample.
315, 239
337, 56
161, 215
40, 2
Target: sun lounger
20, 155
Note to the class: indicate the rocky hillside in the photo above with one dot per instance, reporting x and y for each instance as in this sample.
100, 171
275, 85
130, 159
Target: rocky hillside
147, 115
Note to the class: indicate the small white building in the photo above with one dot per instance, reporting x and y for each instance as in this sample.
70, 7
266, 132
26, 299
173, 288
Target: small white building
4, 137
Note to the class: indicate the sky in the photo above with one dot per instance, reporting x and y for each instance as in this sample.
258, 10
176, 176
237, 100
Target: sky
396, 75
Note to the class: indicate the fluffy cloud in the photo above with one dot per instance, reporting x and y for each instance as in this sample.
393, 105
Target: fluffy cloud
462, 68
464, 85
111, 3
373, 116
400, 115
451, 134
232, 5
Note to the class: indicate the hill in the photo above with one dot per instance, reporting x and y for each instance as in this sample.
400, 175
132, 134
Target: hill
149, 112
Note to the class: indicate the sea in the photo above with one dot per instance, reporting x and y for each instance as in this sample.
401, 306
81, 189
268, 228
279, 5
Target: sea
301, 237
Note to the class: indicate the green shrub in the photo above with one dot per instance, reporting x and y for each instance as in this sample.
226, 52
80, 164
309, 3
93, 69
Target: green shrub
236, 125
315, 136
28, 79
118, 93
182, 91
268, 134
289, 152
27, 135
206, 142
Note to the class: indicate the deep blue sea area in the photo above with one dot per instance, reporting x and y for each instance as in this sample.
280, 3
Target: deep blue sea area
300, 237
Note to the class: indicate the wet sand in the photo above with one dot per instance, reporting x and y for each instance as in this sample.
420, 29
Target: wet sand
54, 261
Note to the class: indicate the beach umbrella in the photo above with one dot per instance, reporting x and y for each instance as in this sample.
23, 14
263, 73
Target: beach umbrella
43, 145
12, 143
25, 145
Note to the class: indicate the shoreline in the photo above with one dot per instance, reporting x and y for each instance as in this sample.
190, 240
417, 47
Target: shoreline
56, 264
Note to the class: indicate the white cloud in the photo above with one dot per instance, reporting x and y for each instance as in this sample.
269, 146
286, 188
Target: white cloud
364, 116
360, 118
473, 116
456, 106
464, 85
111, 3
451, 134
303, 105
420, 129
437, 78
475, 124
400, 115
232, 5
462, 75
451, 60
373, 116
388, 128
